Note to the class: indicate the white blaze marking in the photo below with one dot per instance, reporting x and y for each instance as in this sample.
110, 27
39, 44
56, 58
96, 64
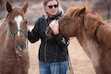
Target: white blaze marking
18, 20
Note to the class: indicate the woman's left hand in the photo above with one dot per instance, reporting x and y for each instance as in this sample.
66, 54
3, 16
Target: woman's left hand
54, 26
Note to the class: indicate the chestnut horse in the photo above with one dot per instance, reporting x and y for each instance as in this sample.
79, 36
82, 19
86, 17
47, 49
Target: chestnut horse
93, 34
14, 58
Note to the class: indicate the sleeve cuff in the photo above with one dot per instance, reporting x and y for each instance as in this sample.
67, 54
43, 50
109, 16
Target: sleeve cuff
58, 35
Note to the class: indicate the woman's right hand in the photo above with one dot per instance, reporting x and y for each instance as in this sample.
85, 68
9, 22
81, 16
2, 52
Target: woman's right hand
54, 27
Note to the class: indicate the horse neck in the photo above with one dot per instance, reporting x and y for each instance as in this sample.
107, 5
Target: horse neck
98, 30
7, 40
87, 28
97, 49
89, 45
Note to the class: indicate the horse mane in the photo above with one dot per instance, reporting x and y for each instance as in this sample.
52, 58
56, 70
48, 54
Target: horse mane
94, 24
72, 11
104, 35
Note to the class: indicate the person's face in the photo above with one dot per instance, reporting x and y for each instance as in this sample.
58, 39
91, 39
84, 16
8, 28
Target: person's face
51, 8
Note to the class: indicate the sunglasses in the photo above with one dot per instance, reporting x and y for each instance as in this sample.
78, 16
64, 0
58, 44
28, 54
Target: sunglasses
51, 6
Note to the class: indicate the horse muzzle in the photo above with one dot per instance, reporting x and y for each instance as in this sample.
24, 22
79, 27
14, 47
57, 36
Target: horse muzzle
49, 32
21, 48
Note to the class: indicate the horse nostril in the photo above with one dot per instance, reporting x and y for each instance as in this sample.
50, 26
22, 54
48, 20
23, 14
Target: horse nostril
18, 48
23, 46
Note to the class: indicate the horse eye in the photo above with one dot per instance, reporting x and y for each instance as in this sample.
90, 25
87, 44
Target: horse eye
11, 22
25, 21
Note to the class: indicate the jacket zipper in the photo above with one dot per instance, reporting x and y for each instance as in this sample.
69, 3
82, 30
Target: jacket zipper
56, 53
45, 51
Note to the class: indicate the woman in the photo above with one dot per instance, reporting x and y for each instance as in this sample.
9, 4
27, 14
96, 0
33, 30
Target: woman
53, 53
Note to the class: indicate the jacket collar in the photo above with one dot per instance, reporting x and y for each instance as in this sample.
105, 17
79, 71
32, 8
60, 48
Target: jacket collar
55, 17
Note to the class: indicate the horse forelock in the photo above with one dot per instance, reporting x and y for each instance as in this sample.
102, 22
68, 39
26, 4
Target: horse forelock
15, 12
72, 11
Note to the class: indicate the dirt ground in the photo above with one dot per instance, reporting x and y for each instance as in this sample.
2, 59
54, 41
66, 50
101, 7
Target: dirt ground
79, 60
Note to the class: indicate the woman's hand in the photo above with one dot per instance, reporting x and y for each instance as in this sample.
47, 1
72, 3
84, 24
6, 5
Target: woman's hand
54, 27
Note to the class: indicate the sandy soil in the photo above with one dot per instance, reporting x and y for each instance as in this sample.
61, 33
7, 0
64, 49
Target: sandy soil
81, 64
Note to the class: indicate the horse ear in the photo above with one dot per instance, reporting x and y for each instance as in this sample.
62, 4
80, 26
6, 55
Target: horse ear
81, 11
25, 7
8, 7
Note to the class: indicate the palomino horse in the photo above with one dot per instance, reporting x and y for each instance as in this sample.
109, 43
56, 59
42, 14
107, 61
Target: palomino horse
14, 58
92, 32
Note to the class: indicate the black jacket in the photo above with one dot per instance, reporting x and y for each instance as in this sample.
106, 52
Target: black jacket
51, 50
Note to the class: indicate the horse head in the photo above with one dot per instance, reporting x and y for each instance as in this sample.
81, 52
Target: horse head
17, 26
